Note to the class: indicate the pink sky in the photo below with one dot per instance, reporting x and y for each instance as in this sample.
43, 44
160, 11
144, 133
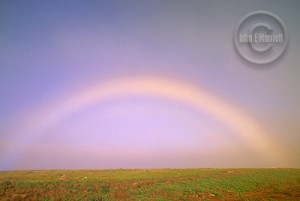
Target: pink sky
143, 85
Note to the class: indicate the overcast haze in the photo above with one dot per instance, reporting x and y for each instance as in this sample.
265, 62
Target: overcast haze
143, 84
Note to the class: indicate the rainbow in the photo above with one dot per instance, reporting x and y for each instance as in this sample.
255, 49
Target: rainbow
240, 123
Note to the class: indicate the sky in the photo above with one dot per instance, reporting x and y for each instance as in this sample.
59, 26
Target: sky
144, 84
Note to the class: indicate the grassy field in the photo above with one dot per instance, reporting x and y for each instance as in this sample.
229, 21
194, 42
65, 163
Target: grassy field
156, 184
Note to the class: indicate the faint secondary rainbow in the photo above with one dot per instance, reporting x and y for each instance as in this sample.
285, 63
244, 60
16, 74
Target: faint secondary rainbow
182, 92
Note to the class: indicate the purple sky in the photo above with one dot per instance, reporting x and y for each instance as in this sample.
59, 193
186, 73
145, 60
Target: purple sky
69, 95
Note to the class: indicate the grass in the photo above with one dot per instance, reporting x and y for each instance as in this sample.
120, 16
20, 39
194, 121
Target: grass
156, 184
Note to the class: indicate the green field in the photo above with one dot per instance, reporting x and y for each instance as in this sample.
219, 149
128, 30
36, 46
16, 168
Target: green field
152, 184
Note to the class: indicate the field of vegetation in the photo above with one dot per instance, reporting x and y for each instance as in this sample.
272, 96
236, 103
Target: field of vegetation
152, 184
